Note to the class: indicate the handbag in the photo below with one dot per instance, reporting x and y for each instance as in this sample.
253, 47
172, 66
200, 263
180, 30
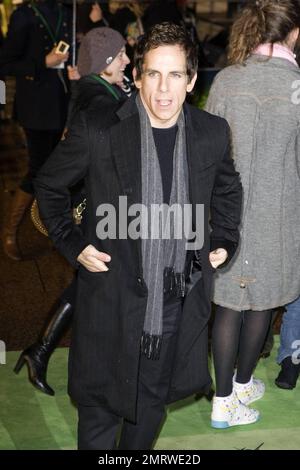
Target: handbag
36, 219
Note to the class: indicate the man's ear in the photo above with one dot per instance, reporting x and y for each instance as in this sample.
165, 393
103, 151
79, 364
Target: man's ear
191, 85
136, 81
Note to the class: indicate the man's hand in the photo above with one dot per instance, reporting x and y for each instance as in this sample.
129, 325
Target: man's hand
93, 260
218, 257
96, 13
53, 59
73, 73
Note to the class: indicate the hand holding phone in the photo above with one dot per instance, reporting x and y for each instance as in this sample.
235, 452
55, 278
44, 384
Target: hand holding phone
62, 47
55, 60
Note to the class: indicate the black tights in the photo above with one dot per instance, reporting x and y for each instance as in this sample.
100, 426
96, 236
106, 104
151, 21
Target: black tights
237, 336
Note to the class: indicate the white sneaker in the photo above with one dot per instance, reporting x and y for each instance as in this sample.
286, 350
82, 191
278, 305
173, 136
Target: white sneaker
229, 411
249, 392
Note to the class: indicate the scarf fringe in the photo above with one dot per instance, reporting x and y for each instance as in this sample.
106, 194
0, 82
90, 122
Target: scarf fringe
151, 345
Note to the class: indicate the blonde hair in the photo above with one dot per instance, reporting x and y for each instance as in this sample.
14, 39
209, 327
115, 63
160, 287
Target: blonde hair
262, 21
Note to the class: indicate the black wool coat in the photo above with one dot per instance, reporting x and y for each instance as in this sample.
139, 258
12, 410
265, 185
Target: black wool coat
88, 93
104, 149
42, 94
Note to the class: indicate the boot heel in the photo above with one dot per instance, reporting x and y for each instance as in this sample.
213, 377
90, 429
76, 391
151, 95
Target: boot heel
20, 364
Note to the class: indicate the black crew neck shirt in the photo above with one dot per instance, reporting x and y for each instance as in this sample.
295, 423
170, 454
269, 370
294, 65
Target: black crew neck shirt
165, 143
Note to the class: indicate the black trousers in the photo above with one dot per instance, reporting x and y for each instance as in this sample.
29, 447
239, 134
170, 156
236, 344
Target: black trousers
98, 428
40, 144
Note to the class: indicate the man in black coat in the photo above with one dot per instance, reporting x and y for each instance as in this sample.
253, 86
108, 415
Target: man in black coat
42, 92
143, 297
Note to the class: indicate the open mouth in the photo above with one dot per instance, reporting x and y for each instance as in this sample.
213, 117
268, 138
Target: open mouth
164, 103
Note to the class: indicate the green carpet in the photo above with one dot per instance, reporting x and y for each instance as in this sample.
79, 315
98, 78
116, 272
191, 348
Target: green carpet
32, 420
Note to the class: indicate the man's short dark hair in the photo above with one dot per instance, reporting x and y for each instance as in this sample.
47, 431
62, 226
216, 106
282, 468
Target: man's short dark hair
166, 34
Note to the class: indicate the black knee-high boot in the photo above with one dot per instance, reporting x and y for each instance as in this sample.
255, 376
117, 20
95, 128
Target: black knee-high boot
37, 355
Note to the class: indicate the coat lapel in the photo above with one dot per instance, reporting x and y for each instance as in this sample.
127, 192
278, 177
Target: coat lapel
126, 150
198, 152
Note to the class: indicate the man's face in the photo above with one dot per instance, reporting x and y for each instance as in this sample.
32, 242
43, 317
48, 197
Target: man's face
164, 84
114, 73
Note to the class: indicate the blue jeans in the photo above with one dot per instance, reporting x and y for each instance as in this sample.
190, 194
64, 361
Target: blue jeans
290, 331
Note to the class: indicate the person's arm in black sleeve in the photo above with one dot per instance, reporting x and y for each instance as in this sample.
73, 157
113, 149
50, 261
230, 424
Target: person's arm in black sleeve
66, 166
13, 58
72, 106
226, 202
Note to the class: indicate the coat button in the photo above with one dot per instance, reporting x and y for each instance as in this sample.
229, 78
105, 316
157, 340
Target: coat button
139, 280
242, 285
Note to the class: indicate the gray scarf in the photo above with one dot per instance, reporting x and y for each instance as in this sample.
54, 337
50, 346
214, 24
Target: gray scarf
158, 253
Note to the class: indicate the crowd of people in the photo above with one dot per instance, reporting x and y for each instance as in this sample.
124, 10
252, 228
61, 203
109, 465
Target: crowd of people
118, 125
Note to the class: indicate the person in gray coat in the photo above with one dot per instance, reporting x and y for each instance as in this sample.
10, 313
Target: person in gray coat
257, 94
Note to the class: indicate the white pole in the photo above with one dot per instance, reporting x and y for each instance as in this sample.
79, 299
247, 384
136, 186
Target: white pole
74, 33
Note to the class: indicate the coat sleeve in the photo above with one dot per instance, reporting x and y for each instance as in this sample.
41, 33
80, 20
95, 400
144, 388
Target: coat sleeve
14, 59
66, 166
226, 200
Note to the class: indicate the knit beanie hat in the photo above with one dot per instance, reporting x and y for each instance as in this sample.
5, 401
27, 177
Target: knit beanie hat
98, 49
